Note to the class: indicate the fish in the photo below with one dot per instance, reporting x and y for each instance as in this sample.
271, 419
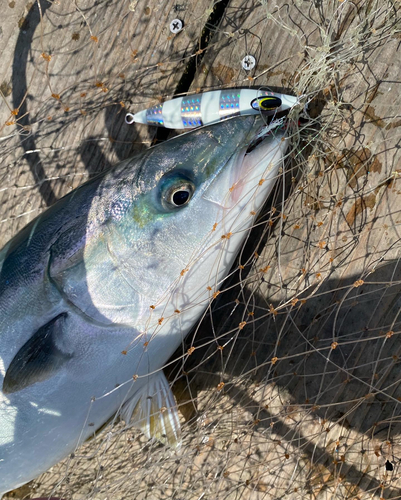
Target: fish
99, 291
211, 107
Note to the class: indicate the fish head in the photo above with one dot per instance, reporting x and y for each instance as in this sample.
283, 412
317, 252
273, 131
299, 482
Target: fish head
192, 198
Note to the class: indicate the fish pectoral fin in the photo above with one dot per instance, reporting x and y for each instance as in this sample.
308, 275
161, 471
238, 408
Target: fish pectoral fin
153, 410
38, 359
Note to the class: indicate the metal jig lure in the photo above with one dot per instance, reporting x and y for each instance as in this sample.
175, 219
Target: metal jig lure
210, 107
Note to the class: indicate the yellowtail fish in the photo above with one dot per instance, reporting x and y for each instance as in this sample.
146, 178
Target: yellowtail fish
98, 292
211, 107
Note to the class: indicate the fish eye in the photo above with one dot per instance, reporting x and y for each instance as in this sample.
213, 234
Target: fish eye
177, 193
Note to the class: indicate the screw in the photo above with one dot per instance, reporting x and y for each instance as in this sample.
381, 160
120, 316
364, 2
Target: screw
248, 62
176, 26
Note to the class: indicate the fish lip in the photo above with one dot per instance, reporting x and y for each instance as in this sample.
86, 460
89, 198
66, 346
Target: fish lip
244, 168
263, 132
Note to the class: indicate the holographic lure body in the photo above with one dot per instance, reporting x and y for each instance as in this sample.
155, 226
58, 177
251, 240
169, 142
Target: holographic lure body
210, 107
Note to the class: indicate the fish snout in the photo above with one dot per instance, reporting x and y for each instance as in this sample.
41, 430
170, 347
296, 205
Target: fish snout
247, 170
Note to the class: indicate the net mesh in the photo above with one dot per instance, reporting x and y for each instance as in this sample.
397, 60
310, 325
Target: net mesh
289, 386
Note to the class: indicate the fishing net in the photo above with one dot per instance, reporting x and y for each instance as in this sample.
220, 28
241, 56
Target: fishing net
289, 386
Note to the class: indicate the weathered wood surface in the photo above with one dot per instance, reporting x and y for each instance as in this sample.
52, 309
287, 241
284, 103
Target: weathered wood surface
310, 406
70, 78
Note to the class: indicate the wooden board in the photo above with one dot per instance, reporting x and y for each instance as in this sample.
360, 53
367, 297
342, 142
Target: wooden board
69, 74
303, 400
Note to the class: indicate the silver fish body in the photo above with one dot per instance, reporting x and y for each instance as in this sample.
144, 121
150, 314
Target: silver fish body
99, 291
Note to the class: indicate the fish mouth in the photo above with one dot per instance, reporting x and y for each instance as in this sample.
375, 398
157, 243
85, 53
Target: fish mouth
247, 165
252, 158
263, 132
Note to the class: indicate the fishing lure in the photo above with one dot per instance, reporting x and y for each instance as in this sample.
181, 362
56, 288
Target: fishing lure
210, 107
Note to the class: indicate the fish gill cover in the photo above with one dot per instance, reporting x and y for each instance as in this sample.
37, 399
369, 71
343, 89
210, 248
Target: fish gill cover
289, 386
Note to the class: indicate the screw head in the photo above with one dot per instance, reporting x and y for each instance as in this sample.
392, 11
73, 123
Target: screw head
176, 26
248, 62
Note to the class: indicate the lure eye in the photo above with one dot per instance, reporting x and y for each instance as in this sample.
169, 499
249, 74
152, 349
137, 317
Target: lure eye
177, 193
266, 103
